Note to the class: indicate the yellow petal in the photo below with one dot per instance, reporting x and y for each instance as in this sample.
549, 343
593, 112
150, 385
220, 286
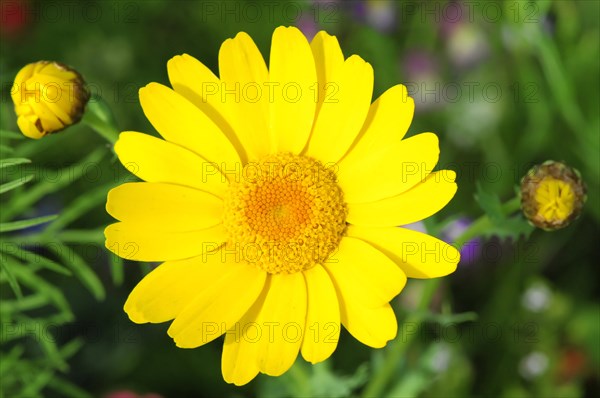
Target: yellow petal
18, 92
293, 75
199, 85
164, 206
418, 203
239, 362
370, 319
169, 288
388, 121
356, 265
134, 243
27, 126
329, 59
343, 111
182, 123
390, 170
58, 96
417, 254
282, 319
243, 75
219, 304
156, 160
322, 316
50, 122
371, 326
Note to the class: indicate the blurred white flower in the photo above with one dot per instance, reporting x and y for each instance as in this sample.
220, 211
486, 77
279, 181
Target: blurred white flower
533, 365
536, 298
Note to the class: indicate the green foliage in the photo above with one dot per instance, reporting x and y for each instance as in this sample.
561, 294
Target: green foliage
30, 252
319, 380
502, 224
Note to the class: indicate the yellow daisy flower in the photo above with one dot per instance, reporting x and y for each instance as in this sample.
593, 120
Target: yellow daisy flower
274, 200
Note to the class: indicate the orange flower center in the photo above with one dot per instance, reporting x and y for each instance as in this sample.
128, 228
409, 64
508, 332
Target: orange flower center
284, 214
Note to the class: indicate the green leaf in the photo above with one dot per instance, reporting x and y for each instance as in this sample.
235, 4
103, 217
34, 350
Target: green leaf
79, 207
38, 284
502, 225
14, 184
489, 202
303, 380
6, 149
13, 162
31, 302
9, 360
22, 224
10, 277
512, 228
11, 134
47, 341
44, 187
95, 236
32, 259
81, 270
117, 269
37, 383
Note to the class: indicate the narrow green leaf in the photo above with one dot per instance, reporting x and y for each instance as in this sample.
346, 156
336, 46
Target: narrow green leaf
14, 184
27, 303
12, 162
81, 270
11, 134
81, 236
38, 284
12, 249
79, 207
9, 360
22, 224
53, 356
117, 269
44, 187
490, 203
6, 149
10, 277
71, 348
37, 383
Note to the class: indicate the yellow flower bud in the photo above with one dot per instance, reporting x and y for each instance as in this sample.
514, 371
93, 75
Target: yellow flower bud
48, 97
552, 195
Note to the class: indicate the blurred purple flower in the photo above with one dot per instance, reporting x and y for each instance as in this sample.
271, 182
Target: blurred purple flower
466, 42
418, 226
380, 14
471, 250
422, 79
306, 23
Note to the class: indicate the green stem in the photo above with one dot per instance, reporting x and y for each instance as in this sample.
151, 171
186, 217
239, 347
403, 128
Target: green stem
398, 347
479, 226
99, 117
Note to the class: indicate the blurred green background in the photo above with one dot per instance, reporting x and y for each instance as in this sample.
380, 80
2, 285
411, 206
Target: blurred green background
505, 85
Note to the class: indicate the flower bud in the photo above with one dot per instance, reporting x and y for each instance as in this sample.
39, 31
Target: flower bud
552, 195
48, 97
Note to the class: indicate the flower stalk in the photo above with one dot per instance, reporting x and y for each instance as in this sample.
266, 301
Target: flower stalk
99, 118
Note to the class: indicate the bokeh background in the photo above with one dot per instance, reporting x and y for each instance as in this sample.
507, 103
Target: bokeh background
505, 85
